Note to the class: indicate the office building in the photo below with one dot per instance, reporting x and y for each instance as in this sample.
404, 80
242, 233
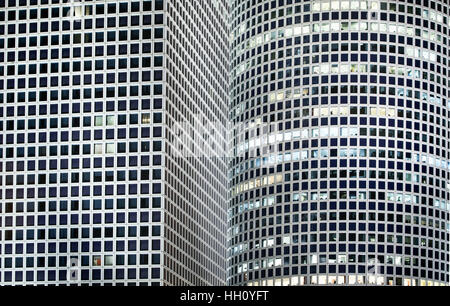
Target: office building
340, 168
95, 185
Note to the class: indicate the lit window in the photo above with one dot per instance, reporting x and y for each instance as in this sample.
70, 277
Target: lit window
98, 149
96, 260
98, 120
109, 148
145, 118
109, 120
108, 260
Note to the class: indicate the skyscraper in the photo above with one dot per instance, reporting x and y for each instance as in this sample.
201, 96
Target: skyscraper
97, 99
114, 144
340, 169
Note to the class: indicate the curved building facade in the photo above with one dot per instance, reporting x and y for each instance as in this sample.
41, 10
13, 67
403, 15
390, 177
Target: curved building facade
340, 162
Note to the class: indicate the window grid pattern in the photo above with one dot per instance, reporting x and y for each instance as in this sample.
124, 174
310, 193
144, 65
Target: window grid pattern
81, 119
341, 174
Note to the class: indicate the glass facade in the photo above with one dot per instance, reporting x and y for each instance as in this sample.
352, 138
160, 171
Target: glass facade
114, 164
340, 165
91, 191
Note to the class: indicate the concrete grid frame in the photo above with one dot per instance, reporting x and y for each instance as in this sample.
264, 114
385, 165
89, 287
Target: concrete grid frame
352, 96
92, 189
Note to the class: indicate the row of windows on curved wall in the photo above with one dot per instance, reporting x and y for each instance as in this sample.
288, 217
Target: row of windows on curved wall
346, 240
326, 48
264, 134
406, 204
411, 210
336, 26
385, 178
263, 161
353, 279
404, 89
318, 74
437, 11
410, 235
269, 172
287, 37
269, 164
413, 52
243, 114
388, 260
345, 78
311, 96
407, 258
402, 209
404, 261
260, 142
268, 267
303, 111
322, 259
295, 196
430, 19
397, 260
268, 177
363, 94
412, 69
348, 263
263, 202
259, 125
394, 182
282, 69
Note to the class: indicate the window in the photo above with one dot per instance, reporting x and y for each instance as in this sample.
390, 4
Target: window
110, 148
98, 149
98, 120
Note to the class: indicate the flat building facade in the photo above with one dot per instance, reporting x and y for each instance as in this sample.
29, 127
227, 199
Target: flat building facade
94, 97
